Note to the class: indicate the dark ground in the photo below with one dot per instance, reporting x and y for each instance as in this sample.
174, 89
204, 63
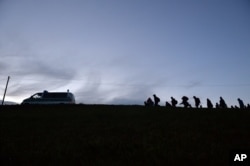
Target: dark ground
120, 135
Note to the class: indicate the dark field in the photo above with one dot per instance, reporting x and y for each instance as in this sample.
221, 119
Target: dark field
120, 135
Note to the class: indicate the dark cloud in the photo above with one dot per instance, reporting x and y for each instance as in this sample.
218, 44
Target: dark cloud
193, 84
41, 69
29, 71
30, 77
53, 49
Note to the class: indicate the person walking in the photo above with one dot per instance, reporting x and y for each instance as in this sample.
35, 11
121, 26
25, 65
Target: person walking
197, 101
174, 102
222, 103
157, 100
185, 102
209, 104
241, 103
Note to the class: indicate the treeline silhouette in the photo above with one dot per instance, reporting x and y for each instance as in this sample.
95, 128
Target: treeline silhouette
197, 102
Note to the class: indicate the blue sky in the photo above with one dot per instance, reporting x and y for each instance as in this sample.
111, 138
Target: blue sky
122, 52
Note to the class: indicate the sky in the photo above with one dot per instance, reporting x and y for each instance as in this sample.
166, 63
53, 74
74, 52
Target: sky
124, 51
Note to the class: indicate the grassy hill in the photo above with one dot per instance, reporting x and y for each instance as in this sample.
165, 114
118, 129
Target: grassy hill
120, 135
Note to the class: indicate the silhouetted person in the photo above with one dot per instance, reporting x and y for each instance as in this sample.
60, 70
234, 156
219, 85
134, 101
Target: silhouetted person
209, 103
185, 102
197, 101
222, 103
248, 105
168, 104
157, 100
174, 102
217, 105
149, 102
241, 104
236, 107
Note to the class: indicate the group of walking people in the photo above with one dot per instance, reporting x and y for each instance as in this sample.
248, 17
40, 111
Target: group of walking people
186, 104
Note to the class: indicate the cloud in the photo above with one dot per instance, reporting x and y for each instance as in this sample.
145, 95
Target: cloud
41, 69
137, 96
89, 89
3, 66
103, 89
126, 101
29, 69
193, 84
31, 76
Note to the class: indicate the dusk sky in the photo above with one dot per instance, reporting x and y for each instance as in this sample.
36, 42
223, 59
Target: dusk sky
124, 51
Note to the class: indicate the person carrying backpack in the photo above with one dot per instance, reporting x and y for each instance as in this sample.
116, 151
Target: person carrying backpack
157, 100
